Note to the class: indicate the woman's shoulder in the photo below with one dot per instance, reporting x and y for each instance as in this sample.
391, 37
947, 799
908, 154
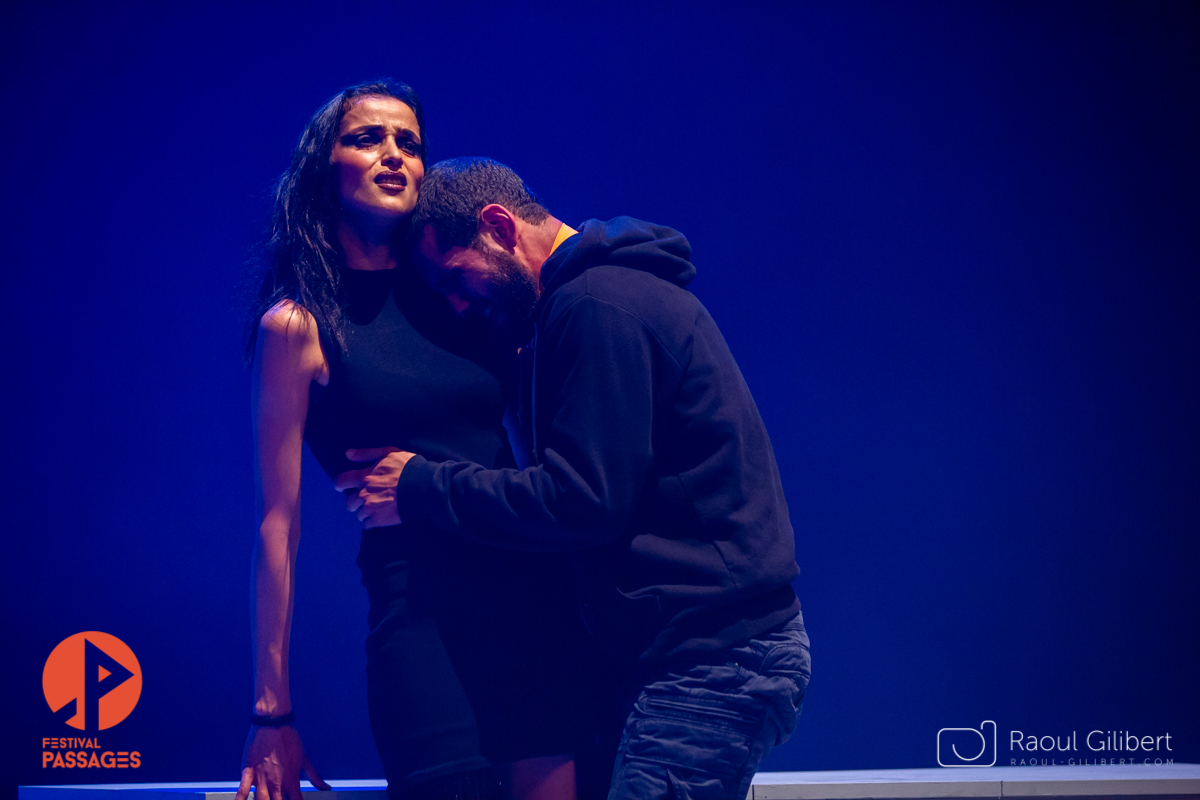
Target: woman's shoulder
289, 320
289, 341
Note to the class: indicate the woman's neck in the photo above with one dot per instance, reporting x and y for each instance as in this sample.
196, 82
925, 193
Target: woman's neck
366, 248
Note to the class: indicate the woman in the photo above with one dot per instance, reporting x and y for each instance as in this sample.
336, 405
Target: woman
351, 350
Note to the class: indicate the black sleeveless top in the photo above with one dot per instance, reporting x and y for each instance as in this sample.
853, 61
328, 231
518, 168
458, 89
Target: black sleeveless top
411, 376
414, 376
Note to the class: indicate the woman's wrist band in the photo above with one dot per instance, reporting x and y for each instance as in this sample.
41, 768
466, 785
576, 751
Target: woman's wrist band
260, 721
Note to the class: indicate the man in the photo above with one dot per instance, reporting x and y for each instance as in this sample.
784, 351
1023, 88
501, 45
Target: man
642, 453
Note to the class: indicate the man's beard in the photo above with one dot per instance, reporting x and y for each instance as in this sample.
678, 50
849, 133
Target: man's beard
514, 295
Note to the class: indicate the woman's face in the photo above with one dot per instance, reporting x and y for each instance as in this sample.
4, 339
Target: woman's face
375, 158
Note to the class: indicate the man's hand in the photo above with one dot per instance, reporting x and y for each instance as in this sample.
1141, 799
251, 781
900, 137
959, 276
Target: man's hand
375, 501
271, 764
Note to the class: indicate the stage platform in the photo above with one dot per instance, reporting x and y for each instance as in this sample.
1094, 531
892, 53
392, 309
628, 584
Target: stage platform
1077, 782
1147, 782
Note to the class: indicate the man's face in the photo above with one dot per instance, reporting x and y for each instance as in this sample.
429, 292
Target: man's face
482, 280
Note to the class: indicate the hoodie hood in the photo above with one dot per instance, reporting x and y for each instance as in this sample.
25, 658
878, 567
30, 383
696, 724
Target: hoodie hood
622, 242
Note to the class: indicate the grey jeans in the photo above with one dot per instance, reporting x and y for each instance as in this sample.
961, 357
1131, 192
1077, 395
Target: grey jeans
700, 731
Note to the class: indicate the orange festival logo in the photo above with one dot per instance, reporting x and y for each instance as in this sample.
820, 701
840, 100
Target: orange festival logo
92, 681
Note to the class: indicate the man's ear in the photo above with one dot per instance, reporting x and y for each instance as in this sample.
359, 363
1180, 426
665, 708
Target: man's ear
499, 222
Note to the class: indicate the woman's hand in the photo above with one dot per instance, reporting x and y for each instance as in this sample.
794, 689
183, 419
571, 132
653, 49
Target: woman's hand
272, 762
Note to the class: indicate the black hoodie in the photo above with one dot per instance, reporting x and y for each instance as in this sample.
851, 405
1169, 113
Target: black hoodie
643, 453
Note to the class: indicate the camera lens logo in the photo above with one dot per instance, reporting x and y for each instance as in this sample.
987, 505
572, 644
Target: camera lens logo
967, 747
92, 681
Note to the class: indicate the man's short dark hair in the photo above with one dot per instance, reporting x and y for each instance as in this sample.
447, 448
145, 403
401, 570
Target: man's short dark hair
454, 191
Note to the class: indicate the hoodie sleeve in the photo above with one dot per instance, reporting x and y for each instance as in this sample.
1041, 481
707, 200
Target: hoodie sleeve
595, 363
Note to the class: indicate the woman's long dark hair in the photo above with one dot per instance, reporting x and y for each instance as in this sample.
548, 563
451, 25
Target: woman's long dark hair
300, 259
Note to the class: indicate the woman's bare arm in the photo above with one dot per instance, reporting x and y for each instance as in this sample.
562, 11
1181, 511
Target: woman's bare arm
287, 360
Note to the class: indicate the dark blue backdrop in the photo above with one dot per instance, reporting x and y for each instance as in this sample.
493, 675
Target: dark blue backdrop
954, 247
